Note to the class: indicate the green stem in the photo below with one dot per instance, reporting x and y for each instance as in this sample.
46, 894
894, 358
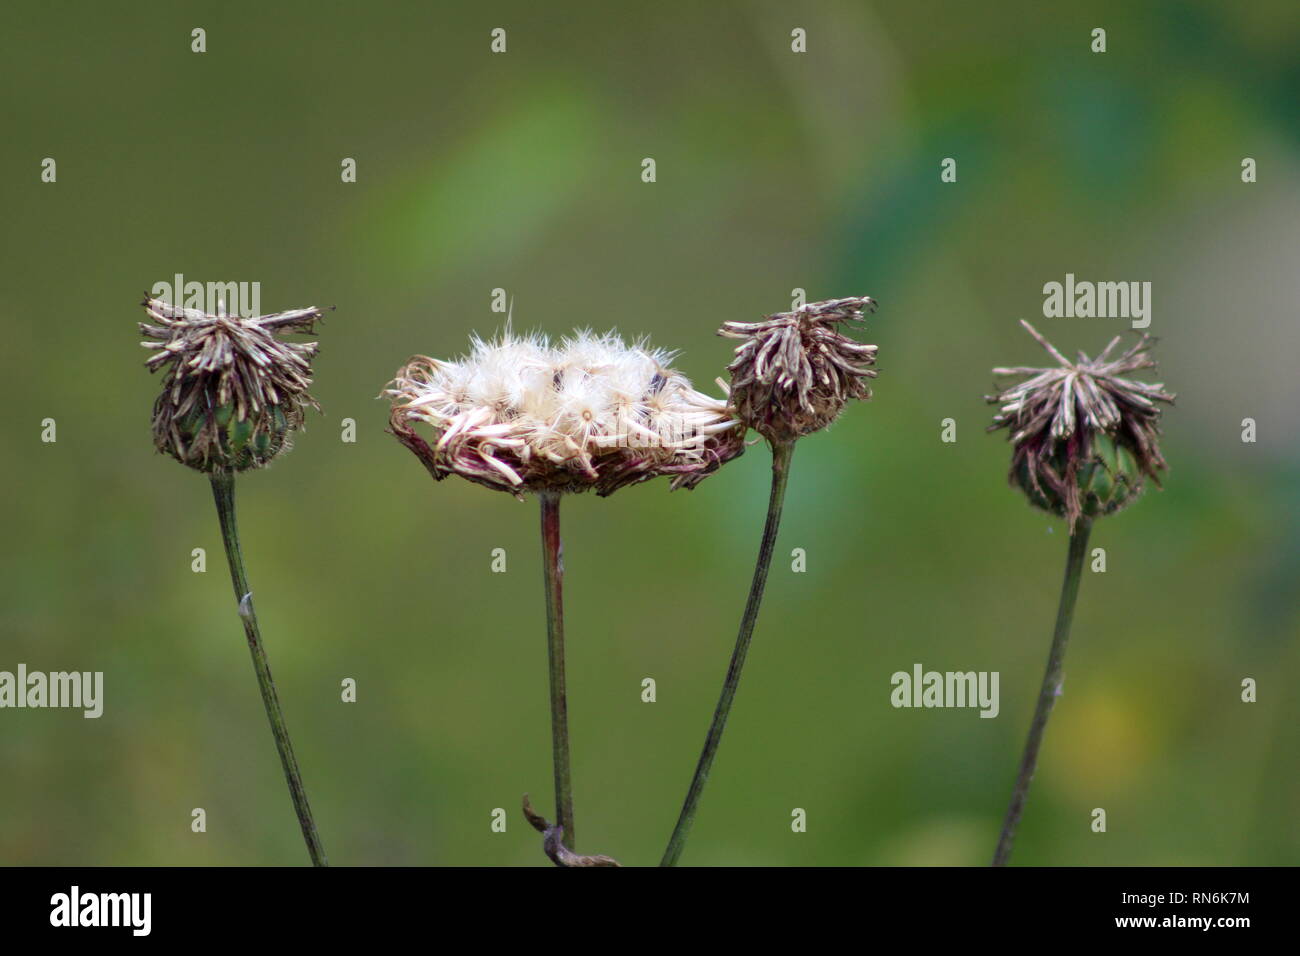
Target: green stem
1051, 689
223, 491
553, 576
781, 455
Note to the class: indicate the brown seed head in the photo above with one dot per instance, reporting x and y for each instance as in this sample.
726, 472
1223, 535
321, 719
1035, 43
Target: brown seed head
795, 371
233, 392
1085, 438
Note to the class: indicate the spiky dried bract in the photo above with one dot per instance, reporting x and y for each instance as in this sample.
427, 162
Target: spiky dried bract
518, 414
1085, 437
795, 371
233, 392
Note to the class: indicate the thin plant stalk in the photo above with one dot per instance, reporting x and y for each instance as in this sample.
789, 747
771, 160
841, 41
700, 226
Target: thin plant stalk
782, 452
1051, 689
553, 577
223, 491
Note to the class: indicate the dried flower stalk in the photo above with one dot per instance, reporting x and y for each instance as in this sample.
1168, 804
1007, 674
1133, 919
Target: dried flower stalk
794, 374
1084, 439
591, 413
232, 395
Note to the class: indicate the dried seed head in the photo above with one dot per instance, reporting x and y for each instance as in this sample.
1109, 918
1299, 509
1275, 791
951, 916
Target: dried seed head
518, 415
233, 392
795, 371
1085, 438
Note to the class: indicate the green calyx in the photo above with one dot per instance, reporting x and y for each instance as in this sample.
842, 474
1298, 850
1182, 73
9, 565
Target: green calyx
218, 440
1108, 480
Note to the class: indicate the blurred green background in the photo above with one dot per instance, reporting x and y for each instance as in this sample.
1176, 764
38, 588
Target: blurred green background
775, 171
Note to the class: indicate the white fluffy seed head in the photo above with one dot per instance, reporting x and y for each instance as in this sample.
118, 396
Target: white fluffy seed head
518, 413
